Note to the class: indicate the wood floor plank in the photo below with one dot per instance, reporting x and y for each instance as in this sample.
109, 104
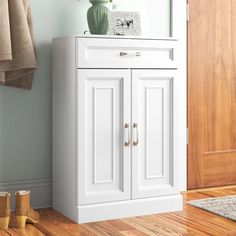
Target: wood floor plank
50, 229
194, 196
150, 227
102, 229
132, 233
220, 193
176, 229
3, 233
29, 230
69, 226
192, 221
120, 225
207, 228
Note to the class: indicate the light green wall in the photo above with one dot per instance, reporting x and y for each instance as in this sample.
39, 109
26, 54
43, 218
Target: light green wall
25, 116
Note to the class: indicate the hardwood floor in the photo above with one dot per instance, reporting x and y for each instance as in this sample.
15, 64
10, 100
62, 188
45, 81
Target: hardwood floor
191, 221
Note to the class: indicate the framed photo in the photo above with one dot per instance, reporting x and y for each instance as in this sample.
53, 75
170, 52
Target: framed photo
124, 23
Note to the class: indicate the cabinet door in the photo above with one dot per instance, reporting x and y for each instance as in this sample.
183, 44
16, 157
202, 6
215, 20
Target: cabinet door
103, 159
153, 160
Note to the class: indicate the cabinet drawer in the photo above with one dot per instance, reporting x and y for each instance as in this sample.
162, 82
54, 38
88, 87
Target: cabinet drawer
125, 53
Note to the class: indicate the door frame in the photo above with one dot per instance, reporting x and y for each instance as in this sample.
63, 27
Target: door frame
178, 30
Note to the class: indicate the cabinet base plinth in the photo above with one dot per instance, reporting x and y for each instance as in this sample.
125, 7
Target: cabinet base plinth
129, 208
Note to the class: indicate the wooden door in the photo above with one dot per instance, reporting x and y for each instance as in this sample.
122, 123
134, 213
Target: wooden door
153, 169
104, 98
212, 93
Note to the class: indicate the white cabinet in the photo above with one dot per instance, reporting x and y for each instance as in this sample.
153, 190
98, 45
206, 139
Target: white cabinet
115, 102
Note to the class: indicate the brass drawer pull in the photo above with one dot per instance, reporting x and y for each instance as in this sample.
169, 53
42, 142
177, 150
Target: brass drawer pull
122, 54
137, 54
127, 135
135, 134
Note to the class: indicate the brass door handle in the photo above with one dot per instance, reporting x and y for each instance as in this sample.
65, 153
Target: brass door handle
135, 135
127, 135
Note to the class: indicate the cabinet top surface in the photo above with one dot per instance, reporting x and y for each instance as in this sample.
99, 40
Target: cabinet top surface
117, 37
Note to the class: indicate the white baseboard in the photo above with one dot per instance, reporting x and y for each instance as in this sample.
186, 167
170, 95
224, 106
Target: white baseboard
130, 208
41, 191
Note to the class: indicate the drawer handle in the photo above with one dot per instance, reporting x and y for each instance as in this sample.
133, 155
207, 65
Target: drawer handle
127, 135
135, 127
137, 54
122, 54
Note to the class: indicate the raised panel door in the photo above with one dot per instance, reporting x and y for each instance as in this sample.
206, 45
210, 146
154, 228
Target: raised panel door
104, 117
152, 116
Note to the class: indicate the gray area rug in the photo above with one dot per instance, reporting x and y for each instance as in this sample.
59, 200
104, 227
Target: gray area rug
223, 206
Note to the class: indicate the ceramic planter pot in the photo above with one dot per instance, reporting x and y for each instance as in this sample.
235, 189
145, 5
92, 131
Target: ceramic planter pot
97, 17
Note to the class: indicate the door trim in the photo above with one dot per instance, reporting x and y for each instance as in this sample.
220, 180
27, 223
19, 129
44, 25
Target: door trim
179, 31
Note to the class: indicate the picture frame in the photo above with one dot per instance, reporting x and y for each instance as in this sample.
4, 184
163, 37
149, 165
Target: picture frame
124, 23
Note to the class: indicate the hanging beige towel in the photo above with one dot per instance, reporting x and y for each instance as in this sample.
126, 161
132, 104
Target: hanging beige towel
17, 49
